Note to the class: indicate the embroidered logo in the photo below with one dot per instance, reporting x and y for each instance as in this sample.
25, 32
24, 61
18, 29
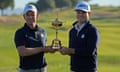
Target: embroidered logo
83, 36
42, 35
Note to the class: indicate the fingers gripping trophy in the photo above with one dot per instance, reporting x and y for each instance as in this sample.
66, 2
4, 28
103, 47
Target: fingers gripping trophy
56, 43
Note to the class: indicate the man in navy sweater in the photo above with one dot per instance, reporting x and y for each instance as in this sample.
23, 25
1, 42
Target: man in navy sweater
83, 40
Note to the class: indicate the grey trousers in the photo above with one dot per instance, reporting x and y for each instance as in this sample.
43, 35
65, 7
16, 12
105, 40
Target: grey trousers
74, 71
33, 70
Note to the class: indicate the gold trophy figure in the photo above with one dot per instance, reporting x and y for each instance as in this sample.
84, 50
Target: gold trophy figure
56, 43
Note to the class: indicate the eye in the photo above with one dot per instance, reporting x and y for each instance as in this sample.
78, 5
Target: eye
30, 13
81, 12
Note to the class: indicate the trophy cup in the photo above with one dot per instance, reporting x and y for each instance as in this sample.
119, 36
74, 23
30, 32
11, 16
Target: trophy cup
56, 43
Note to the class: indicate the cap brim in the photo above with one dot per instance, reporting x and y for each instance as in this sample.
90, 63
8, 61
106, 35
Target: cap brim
81, 10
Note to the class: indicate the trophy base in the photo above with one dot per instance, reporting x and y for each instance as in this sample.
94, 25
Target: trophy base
56, 44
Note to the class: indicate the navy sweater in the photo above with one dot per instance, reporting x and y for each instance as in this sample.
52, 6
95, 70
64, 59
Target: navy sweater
85, 45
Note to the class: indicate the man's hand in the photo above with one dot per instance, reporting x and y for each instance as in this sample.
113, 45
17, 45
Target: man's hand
48, 49
66, 51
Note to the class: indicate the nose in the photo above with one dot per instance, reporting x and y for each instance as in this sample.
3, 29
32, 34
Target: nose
30, 16
79, 15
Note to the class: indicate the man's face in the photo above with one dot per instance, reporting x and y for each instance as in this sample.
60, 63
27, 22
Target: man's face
31, 18
82, 16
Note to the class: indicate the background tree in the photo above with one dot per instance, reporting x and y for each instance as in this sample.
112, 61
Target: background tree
5, 4
74, 2
45, 4
85, 0
63, 3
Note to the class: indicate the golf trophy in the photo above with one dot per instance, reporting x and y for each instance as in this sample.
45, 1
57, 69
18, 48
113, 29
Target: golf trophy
56, 43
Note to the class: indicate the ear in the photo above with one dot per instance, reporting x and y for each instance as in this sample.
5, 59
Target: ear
38, 15
89, 13
24, 16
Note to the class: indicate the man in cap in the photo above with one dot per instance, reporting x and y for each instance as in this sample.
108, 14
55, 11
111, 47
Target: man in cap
30, 42
83, 40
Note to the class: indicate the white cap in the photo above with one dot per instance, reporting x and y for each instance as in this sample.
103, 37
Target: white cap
30, 7
84, 6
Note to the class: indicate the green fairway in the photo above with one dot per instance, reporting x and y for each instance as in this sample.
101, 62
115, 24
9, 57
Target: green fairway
108, 49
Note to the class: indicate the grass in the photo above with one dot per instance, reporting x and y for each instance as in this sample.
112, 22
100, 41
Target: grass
108, 50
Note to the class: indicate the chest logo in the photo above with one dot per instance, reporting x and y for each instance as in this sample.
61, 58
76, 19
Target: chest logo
42, 35
83, 36
32, 38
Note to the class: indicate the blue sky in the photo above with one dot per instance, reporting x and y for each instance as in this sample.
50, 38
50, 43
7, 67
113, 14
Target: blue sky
106, 2
21, 3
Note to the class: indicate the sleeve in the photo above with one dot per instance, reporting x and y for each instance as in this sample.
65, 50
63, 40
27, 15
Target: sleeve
45, 40
70, 39
90, 48
19, 38
44, 37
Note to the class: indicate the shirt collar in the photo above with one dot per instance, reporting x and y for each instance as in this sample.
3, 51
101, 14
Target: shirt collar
28, 28
80, 28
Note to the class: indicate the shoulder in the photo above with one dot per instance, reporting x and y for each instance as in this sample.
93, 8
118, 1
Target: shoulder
91, 28
20, 31
41, 29
72, 30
